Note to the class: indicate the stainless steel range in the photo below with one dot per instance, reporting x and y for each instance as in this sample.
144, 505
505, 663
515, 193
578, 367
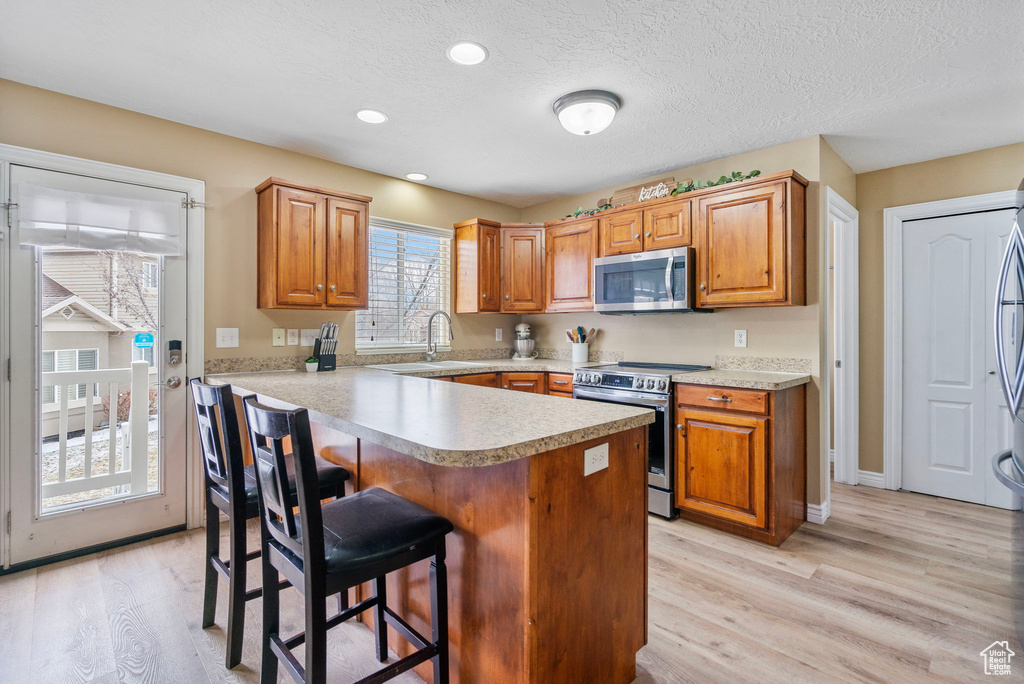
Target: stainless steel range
648, 385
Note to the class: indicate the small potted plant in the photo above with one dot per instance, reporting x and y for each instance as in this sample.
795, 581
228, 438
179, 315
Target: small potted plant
312, 363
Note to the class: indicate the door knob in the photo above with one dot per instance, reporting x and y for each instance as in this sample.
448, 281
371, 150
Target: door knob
173, 382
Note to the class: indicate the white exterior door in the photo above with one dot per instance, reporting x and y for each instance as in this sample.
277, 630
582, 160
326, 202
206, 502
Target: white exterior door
97, 448
954, 415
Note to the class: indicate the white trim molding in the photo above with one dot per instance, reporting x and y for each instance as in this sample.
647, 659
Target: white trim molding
894, 218
870, 478
818, 513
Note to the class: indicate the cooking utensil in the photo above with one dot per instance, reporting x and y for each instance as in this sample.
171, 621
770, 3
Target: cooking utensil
581, 335
591, 333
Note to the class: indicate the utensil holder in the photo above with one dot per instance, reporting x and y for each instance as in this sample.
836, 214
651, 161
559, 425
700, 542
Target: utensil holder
328, 362
580, 352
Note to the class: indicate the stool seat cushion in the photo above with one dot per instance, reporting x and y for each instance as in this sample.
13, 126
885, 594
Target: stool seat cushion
372, 525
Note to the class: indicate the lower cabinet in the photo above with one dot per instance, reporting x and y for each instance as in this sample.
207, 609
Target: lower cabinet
524, 382
741, 459
560, 384
443, 378
480, 379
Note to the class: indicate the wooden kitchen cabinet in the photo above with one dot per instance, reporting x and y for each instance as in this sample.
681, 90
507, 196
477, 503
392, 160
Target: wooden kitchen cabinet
522, 268
750, 245
560, 384
312, 247
621, 232
570, 248
740, 459
524, 382
668, 225
477, 266
480, 379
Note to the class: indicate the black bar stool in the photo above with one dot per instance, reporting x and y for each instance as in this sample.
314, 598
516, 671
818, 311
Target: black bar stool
334, 547
231, 488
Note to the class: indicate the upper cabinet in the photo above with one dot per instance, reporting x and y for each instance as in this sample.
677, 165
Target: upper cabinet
312, 247
570, 248
750, 245
621, 232
499, 268
667, 226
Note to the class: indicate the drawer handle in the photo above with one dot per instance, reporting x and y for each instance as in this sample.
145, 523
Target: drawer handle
560, 382
721, 398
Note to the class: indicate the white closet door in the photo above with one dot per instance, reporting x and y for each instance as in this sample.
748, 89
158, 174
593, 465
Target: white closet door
954, 416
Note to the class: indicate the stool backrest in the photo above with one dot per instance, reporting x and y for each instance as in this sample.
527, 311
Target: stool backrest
219, 435
268, 428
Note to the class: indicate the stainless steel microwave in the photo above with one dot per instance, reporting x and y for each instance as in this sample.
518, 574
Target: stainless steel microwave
645, 282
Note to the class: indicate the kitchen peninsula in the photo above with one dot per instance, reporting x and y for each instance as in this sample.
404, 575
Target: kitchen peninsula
547, 565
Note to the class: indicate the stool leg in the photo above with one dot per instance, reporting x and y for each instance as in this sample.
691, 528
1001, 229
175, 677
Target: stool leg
380, 627
439, 614
271, 617
316, 635
236, 592
212, 551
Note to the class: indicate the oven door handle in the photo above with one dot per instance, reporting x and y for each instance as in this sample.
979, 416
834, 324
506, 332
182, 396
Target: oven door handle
620, 397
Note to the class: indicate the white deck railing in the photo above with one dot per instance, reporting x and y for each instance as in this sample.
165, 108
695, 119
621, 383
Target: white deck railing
105, 382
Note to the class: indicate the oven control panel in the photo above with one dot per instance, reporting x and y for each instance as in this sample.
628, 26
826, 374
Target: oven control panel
623, 381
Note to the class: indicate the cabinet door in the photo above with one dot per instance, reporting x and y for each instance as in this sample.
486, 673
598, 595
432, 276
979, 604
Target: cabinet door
570, 249
668, 225
522, 270
744, 247
721, 465
524, 382
490, 265
347, 256
479, 379
299, 248
620, 233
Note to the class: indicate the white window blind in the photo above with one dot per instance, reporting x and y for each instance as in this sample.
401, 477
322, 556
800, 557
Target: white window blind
68, 360
150, 274
410, 278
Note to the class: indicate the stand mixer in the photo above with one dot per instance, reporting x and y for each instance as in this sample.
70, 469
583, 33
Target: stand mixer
523, 344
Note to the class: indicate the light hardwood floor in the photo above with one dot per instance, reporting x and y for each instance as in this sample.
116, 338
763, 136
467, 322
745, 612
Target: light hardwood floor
895, 587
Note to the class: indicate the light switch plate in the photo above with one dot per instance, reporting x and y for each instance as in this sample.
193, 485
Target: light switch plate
595, 459
741, 338
293, 336
497, 334
307, 336
227, 337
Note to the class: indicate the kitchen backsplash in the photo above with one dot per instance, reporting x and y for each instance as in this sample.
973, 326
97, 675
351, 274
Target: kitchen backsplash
771, 364
269, 363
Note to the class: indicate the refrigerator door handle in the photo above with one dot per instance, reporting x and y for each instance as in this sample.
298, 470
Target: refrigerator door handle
997, 467
1012, 388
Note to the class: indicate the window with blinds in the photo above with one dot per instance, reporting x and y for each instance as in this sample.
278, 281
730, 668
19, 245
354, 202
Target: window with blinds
409, 279
68, 360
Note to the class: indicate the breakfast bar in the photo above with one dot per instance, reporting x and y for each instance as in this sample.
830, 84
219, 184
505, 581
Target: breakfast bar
548, 562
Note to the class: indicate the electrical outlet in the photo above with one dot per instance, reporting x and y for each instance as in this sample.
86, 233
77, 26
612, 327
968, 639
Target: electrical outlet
497, 334
227, 337
307, 336
595, 459
741, 338
293, 336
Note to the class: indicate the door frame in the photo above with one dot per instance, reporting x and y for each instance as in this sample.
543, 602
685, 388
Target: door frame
893, 219
195, 357
843, 303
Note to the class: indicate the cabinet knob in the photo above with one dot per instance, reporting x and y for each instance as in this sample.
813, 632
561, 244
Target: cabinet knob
679, 426
319, 287
506, 296
485, 296
647, 234
703, 286
636, 236
333, 288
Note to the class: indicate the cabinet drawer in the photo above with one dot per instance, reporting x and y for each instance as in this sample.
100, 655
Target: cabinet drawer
708, 396
560, 382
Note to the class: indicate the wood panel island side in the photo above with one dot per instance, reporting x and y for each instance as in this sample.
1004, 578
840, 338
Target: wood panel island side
547, 567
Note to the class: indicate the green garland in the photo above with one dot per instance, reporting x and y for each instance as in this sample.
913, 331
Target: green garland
680, 189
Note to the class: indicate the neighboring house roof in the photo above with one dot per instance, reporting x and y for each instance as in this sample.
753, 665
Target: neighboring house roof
54, 292
79, 304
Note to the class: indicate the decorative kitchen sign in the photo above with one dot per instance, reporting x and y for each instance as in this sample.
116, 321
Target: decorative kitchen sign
641, 193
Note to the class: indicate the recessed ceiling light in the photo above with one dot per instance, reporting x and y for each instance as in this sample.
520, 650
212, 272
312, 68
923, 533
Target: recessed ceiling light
416, 176
371, 116
467, 53
586, 112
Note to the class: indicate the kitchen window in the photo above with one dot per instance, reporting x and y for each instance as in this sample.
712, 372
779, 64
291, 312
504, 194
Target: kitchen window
63, 360
409, 279
150, 274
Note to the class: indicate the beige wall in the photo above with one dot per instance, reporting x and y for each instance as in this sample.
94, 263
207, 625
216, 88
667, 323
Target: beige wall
231, 167
695, 338
975, 173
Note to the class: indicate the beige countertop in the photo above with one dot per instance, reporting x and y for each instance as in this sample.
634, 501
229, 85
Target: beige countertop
441, 422
744, 379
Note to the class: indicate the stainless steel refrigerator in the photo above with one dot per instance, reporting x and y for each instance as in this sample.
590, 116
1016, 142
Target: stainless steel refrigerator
1009, 321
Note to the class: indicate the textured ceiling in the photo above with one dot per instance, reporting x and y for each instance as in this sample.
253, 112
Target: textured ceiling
886, 81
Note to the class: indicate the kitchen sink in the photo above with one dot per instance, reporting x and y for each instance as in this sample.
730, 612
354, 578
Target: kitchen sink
453, 364
425, 366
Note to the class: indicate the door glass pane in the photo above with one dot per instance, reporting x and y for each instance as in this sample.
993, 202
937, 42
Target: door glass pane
99, 313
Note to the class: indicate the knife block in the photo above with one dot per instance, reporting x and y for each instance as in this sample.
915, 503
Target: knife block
328, 362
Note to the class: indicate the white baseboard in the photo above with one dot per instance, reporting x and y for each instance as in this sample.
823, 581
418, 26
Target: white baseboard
817, 513
869, 478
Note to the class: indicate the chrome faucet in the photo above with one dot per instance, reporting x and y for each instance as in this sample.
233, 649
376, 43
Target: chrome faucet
431, 347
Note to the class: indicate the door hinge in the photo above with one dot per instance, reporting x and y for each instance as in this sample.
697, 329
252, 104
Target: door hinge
193, 204
839, 364
9, 207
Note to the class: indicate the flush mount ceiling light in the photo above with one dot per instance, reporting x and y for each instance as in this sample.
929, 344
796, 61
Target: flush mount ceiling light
586, 112
371, 116
467, 53
416, 176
